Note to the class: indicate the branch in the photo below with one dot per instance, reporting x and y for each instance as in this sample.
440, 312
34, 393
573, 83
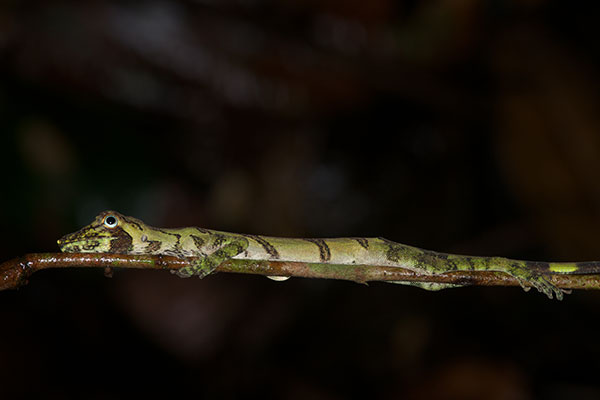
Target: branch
16, 272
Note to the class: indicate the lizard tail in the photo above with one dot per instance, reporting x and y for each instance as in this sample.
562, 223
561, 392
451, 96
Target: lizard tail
571, 268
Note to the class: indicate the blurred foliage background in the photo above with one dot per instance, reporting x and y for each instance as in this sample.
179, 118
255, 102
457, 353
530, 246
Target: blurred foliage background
462, 126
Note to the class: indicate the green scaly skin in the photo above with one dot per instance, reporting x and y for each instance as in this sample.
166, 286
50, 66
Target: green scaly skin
112, 232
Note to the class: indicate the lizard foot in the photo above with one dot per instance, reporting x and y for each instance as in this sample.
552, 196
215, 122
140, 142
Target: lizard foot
200, 268
528, 278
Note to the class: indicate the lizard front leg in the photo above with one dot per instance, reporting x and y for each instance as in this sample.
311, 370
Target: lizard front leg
228, 248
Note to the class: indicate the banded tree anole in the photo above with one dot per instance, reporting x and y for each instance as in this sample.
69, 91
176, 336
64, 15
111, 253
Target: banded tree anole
112, 232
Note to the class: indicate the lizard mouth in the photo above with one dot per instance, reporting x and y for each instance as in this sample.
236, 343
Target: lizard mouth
69, 244
77, 246
81, 243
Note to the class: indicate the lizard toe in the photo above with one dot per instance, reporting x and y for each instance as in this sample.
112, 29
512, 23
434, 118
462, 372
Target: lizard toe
184, 272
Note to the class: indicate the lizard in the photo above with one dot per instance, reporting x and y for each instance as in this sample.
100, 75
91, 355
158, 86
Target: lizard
112, 232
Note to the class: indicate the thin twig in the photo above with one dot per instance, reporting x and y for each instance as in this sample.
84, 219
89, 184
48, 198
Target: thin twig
16, 272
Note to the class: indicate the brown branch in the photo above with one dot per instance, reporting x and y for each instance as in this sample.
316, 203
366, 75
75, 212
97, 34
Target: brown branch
16, 272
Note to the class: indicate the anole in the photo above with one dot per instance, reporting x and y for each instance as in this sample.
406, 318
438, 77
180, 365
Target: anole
112, 232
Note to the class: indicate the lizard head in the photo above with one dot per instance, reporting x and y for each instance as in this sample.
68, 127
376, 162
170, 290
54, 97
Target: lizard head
110, 232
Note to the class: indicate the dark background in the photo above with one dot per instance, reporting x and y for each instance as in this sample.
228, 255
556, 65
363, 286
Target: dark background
461, 126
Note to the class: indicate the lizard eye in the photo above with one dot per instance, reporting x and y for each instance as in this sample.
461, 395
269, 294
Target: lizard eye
111, 221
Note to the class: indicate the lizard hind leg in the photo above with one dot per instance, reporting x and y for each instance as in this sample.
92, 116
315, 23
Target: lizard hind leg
522, 271
203, 266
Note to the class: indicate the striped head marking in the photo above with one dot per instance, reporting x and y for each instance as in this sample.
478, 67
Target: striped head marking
110, 232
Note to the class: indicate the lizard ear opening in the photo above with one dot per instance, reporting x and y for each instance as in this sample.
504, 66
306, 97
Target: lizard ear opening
110, 221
